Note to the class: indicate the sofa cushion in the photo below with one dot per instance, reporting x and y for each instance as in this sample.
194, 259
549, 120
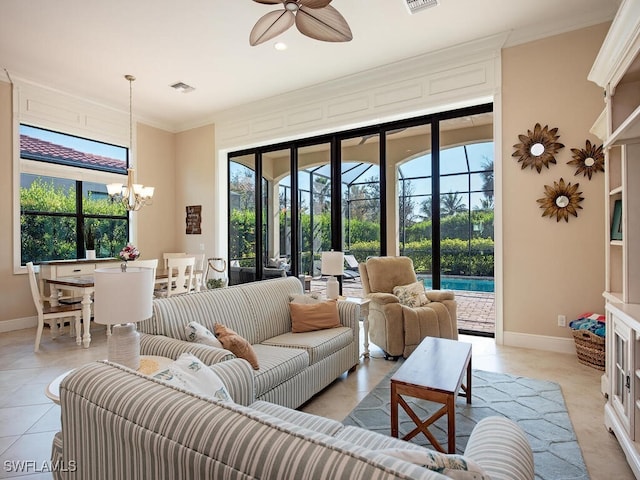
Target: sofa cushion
319, 344
201, 334
314, 316
305, 298
257, 310
277, 365
302, 419
190, 374
373, 440
237, 345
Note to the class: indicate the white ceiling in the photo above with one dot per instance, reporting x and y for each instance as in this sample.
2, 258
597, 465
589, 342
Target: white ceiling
85, 47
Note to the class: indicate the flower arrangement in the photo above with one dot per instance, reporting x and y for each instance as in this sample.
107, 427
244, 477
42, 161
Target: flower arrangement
130, 252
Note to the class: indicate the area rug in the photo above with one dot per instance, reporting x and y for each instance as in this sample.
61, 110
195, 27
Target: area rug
536, 405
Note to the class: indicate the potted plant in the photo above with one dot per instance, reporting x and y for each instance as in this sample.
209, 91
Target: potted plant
90, 242
215, 283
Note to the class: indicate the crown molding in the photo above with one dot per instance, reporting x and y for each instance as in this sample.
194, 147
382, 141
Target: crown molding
619, 46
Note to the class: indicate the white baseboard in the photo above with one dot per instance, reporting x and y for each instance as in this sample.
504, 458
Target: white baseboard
18, 324
539, 342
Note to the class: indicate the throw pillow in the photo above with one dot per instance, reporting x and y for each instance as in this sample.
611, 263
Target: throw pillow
236, 344
305, 298
190, 374
308, 317
412, 295
201, 334
453, 466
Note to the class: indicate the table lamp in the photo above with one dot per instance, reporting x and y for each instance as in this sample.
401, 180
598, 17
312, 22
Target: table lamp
122, 298
332, 263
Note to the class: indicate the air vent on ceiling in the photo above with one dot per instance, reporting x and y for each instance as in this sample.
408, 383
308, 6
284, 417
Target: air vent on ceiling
182, 87
415, 6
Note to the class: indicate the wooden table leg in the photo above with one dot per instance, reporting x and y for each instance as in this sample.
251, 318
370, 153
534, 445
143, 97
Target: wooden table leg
451, 423
469, 382
394, 410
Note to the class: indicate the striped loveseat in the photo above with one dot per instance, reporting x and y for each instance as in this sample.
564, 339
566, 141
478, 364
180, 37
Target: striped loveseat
293, 366
118, 424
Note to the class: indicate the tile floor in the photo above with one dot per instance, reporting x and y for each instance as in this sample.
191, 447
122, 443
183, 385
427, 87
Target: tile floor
28, 419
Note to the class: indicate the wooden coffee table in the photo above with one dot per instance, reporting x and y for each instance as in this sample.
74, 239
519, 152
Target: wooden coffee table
433, 372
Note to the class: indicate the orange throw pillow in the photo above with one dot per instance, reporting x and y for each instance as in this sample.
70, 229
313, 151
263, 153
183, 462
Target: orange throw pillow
236, 344
314, 316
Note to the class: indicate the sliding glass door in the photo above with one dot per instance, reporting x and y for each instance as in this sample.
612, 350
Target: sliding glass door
420, 187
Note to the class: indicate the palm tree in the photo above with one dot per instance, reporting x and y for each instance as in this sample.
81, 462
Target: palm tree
452, 203
425, 208
487, 179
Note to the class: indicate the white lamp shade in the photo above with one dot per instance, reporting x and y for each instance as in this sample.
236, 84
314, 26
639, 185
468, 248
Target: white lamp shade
114, 188
122, 297
332, 263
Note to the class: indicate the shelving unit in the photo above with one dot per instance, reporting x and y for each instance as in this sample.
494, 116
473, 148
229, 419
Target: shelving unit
617, 71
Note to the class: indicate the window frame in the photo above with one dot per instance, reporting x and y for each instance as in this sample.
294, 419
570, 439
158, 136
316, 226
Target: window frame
53, 110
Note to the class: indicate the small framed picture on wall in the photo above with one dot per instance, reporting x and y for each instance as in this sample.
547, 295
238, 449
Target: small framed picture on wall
616, 221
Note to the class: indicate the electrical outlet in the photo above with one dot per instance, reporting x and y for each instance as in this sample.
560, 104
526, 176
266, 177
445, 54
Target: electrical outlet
562, 321
202, 247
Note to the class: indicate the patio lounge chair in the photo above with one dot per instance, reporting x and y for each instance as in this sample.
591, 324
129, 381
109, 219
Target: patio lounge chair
351, 272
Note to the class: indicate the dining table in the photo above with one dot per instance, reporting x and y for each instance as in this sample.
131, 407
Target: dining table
84, 286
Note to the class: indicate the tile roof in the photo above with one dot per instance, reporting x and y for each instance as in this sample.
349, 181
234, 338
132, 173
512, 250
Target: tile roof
36, 149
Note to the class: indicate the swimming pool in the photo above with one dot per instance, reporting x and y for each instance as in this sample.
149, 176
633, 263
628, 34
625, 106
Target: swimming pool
471, 284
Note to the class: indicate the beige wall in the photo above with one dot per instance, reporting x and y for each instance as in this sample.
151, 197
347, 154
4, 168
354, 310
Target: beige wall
155, 226
15, 296
194, 174
551, 268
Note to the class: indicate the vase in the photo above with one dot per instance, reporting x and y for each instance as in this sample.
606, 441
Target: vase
91, 254
123, 266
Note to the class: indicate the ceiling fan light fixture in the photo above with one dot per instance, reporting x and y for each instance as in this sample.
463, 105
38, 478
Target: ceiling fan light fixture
314, 18
292, 6
415, 6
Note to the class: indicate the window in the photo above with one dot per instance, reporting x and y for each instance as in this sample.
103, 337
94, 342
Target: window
63, 191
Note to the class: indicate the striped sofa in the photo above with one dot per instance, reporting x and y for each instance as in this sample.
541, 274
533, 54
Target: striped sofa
293, 366
118, 424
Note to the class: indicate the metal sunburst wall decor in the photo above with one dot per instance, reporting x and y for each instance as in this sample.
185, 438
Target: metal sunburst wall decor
560, 200
538, 148
588, 160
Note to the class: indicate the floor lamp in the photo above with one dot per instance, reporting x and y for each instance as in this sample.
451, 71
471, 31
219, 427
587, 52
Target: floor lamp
332, 263
122, 298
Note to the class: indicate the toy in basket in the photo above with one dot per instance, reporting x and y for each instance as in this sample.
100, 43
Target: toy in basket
589, 333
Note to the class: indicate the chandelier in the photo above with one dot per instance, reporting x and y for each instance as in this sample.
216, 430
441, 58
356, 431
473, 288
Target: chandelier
133, 195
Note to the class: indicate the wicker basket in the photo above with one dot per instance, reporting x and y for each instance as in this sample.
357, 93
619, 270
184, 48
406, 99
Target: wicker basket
590, 348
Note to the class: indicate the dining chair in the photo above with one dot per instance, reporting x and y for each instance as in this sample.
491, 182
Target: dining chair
167, 256
198, 270
52, 315
180, 278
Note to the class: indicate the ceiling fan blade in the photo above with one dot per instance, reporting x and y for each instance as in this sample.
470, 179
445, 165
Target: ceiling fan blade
271, 25
269, 2
324, 24
314, 3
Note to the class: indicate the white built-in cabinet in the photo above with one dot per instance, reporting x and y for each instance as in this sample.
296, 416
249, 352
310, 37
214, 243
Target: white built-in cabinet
617, 71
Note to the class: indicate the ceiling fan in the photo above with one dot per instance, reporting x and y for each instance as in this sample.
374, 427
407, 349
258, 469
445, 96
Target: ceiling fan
314, 18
